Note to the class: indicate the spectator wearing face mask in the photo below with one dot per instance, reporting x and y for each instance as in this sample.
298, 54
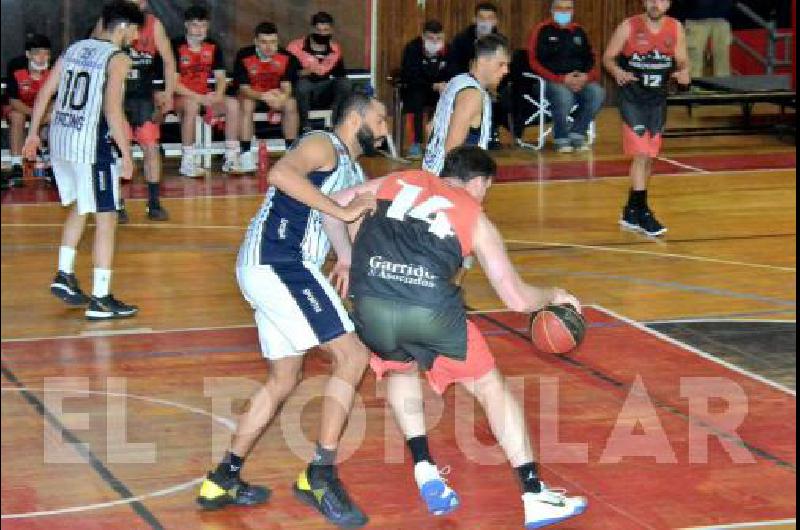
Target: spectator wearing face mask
322, 78
425, 75
559, 51
26, 74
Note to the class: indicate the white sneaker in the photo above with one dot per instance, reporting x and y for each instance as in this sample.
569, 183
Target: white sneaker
247, 162
564, 148
439, 497
550, 507
189, 167
231, 163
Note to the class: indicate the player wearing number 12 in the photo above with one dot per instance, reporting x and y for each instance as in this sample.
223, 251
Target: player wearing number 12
88, 126
643, 54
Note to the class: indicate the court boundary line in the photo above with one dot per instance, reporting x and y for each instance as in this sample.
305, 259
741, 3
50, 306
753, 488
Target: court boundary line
682, 165
697, 351
83, 450
705, 259
732, 319
777, 522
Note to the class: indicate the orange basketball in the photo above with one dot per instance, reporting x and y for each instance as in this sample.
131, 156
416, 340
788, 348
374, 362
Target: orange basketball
557, 329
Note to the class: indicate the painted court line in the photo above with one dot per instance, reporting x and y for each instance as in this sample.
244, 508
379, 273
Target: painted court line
760, 524
651, 253
682, 165
696, 351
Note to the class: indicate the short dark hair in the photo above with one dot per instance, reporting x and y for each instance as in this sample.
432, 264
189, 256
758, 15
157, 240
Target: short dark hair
266, 28
321, 17
37, 41
432, 26
490, 44
196, 12
486, 6
468, 162
121, 12
358, 101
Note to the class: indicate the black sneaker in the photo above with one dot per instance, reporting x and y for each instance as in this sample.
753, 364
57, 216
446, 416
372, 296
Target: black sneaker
216, 493
122, 214
157, 213
108, 307
328, 496
65, 287
641, 220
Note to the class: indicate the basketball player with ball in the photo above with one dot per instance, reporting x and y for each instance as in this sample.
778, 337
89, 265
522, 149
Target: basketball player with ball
408, 311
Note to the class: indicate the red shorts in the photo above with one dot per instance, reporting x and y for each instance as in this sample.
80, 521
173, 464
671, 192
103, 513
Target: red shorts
646, 144
146, 135
446, 371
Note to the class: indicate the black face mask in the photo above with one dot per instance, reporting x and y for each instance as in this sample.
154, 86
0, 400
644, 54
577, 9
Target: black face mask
322, 40
366, 139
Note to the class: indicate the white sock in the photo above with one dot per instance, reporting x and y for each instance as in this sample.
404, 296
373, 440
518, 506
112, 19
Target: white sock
187, 151
66, 259
102, 282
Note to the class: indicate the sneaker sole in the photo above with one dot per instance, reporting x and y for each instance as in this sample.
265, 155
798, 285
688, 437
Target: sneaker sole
308, 498
217, 504
102, 315
555, 520
636, 228
71, 299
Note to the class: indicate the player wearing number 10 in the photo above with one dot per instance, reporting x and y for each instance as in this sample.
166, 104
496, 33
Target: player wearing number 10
644, 53
87, 121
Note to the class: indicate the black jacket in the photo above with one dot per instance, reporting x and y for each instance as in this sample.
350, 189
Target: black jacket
420, 69
462, 51
555, 51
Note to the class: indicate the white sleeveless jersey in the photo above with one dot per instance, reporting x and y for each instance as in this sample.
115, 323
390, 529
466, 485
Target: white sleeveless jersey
78, 130
434, 153
286, 230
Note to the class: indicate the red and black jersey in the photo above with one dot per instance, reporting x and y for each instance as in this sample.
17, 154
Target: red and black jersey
143, 53
195, 67
650, 57
414, 243
21, 82
263, 75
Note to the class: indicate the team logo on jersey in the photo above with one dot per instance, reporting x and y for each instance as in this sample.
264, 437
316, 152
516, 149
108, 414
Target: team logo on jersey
87, 53
185, 59
408, 273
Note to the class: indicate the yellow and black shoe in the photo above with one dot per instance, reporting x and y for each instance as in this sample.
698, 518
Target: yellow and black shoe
216, 493
327, 495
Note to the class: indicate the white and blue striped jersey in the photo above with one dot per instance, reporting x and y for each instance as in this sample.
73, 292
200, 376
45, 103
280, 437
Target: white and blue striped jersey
434, 153
78, 129
286, 230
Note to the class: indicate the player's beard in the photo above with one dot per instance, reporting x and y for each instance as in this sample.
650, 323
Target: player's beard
366, 139
654, 14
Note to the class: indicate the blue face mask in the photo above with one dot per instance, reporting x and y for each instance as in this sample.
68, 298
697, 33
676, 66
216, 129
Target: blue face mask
562, 18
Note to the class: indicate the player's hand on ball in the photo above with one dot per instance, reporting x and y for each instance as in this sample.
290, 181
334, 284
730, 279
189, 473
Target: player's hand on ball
360, 205
562, 297
31, 146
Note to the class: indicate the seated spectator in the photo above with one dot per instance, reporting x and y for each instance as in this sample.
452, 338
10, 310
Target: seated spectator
424, 75
461, 52
709, 20
263, 76
559, 51
25, 76
196, 57
322, 79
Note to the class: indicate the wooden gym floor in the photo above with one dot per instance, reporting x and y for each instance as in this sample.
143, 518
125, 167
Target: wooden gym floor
710, 307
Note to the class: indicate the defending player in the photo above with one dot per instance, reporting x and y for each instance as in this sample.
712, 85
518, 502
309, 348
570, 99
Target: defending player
297, 309
87, 122
408, 311
644, 53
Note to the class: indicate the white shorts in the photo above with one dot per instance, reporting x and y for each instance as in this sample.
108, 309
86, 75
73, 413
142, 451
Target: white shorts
296, 308
95, 187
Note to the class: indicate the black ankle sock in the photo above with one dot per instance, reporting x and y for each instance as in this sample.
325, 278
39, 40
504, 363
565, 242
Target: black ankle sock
637, 199
529, 477
230, 466
418, 445
245, 146
153, 189
322, 465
